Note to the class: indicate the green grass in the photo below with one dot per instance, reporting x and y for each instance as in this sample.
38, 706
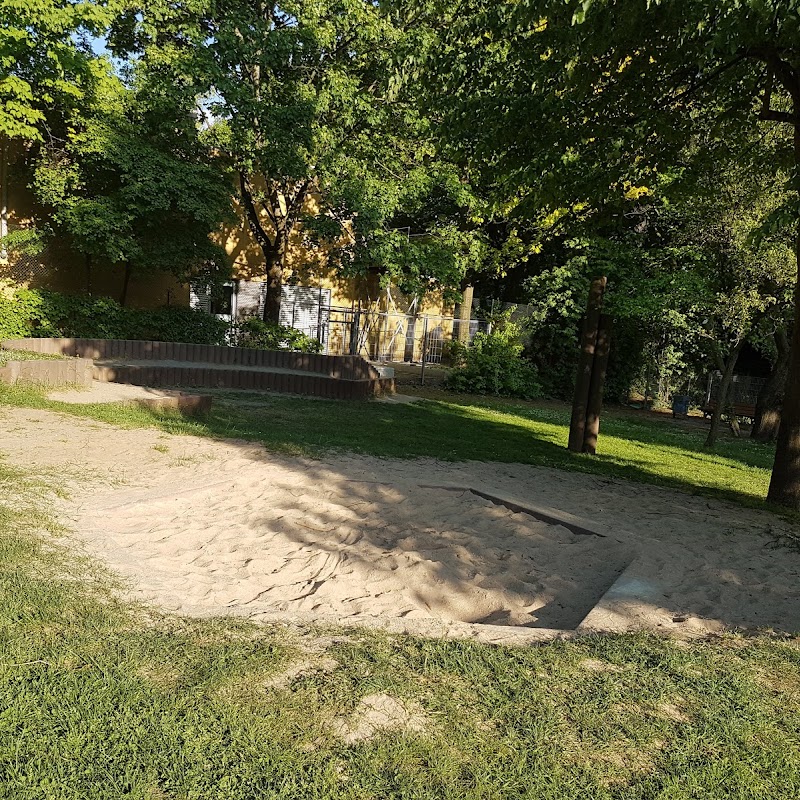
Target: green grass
458, 429
26, 355
99, 700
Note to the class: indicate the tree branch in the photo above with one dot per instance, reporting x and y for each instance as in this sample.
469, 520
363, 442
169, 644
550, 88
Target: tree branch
252, 214
696, 87
297, 203
787, 75
767, 112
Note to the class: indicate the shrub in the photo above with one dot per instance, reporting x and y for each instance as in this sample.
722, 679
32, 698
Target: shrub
254, 332
180, 324
493, 364
39, 313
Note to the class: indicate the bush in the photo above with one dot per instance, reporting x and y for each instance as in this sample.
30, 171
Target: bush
180, 324
493, 364
254, 332
39, 313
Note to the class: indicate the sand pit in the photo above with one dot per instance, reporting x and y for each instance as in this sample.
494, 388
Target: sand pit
256, 546
206, 528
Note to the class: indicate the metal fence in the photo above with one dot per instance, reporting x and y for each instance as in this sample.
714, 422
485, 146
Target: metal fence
743, 393
382, 336
389, 336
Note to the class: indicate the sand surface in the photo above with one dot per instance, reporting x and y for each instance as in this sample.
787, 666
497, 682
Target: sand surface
205, 527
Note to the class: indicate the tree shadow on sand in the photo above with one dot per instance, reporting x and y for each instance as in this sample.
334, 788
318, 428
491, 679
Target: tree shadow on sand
316, 538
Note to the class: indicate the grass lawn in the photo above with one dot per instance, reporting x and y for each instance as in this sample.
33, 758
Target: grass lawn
102, 700
26, 355
455, 428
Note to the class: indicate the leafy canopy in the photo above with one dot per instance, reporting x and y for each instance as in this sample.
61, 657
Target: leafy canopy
45, 61
125, 183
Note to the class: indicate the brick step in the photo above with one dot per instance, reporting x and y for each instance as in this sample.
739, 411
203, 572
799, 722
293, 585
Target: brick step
220, 376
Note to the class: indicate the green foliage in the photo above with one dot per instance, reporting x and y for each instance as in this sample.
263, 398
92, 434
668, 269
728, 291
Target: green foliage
37, 313
255, 332
303, 105
129, 182
650, 107
45, 61
493, 364
624, 85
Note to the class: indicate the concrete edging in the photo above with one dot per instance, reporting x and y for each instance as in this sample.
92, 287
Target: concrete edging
49, 372
552, 516
221, 367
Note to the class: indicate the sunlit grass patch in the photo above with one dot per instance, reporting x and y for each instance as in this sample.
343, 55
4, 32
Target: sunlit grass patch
457, 429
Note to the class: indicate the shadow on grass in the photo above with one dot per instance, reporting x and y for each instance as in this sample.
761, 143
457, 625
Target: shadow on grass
630, 425
505, 433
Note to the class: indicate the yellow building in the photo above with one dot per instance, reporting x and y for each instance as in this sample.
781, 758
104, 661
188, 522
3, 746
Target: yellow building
315, 299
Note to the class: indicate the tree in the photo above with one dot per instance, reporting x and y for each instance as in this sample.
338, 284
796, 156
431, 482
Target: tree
125, 185
736, 286
44, 61
300, 106
572, 104
770, 398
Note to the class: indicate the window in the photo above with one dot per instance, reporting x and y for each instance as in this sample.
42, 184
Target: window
222, 305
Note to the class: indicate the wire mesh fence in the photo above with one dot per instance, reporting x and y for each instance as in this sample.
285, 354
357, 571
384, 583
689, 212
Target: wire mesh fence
742, 395
390, 336
380, 336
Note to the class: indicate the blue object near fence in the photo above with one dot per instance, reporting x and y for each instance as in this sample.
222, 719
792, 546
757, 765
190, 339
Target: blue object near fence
680, 405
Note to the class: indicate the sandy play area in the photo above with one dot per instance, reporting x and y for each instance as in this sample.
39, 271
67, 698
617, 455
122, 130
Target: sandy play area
204, 527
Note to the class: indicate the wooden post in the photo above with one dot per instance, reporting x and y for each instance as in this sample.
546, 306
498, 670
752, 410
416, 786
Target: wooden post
464, 315
577, 427
355, 329
598, 379
424, 351
126, 280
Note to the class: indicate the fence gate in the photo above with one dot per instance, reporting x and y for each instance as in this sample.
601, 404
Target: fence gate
306, 308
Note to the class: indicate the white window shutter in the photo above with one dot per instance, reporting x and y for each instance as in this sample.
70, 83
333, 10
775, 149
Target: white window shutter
200, 297
250, 298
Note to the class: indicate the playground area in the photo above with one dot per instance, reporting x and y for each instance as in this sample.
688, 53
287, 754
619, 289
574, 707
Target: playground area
205, 527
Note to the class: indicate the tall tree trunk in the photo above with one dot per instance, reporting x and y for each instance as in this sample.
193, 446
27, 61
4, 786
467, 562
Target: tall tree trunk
283, 215
595, 402
727, 368
768, 405
275, 258
89, 274
126, 281
577, 427
784, 487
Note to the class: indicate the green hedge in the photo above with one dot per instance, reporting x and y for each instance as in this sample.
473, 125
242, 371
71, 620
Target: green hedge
38, 313
254, 332
493, 364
